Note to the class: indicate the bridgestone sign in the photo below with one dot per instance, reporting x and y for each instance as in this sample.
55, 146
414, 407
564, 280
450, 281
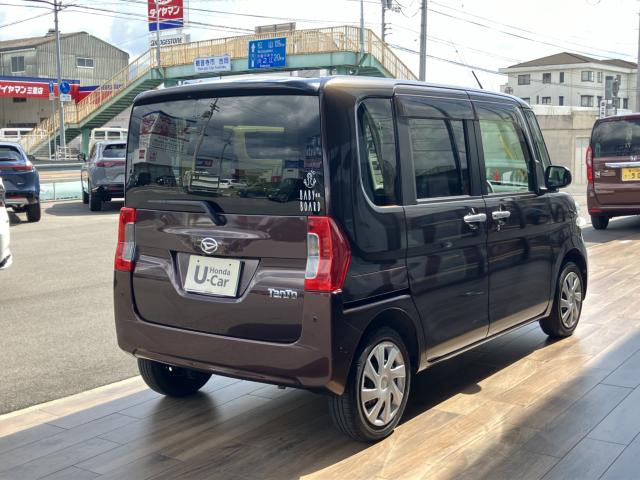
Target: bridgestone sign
169, 40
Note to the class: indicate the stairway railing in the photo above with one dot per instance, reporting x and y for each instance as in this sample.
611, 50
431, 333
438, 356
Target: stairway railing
299, 42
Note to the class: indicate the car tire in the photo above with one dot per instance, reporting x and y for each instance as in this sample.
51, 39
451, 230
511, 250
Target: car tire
354, 417
95, 201
567, 303
599, 222
171, 381
34, 212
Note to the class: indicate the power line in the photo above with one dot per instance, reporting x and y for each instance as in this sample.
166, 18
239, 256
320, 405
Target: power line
25, 20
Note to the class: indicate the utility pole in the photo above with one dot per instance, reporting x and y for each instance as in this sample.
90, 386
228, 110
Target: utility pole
383, 22
157, 34
638, 70
361, 29
63, 141
423, 41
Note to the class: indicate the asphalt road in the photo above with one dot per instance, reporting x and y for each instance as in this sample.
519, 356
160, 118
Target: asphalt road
57, 335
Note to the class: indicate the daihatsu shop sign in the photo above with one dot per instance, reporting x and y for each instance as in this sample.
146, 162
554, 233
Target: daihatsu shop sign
168, 13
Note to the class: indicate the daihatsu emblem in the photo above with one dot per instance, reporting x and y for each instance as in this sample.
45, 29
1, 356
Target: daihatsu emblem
208, 245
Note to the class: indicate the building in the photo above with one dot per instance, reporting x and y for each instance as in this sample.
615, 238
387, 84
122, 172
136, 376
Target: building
28, 65
569, 79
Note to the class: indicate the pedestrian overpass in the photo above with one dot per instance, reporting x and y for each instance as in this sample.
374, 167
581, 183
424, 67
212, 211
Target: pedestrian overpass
335, 48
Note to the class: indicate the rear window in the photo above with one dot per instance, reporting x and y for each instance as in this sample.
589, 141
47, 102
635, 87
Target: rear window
10, 154
115, 151
253, 154
616, 138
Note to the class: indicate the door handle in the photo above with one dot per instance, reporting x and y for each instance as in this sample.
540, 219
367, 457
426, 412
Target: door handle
475, 218
500, 214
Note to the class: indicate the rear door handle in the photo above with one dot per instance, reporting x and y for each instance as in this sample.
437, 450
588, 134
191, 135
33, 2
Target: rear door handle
500, 214
475, 218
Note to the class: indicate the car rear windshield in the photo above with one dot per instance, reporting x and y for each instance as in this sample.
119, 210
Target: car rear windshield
250, 154
616, 138
115, 151
10, 154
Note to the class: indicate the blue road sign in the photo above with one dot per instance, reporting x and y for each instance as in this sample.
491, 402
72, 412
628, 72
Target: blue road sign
269, 53
65, 87
52, 86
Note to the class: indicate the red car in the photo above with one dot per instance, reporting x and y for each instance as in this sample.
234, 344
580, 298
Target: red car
613, 169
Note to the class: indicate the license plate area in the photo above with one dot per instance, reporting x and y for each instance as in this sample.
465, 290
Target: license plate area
631, 174
212, 276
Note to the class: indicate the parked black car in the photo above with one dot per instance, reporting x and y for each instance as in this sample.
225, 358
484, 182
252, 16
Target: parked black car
426, 220
21, 180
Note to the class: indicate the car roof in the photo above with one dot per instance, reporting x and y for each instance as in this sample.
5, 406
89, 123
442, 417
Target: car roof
624, 116
104, 143
302, 86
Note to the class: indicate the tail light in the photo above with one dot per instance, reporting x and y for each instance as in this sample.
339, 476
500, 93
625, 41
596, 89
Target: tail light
126, 248
589, 165
328, 256
109, 163
26, 167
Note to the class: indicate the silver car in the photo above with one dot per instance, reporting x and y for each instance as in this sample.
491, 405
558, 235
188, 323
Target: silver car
102, 174
5, 253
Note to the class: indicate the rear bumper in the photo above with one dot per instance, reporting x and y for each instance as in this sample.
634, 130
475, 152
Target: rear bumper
310, 362
595, 207
110, 190
21, 198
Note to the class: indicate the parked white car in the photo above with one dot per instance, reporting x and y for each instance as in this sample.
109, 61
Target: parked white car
5, 253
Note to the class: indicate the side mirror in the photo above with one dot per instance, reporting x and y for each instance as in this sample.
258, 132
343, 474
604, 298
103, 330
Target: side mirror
556, 177
82, 157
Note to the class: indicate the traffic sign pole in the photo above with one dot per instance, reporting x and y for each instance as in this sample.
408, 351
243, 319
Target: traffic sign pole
63, 141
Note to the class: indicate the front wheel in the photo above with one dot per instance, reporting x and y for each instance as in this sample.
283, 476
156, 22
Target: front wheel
567, 304
599, 222
34, 212
377, 391
171, 381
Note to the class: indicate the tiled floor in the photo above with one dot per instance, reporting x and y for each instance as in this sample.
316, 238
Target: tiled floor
518, 407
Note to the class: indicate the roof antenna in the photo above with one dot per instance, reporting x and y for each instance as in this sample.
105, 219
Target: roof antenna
476, 77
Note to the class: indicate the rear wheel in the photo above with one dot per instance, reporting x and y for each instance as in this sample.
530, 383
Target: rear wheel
85, 197
95, 201
170, 380
567, 304
377, 391
599, 222
33, 212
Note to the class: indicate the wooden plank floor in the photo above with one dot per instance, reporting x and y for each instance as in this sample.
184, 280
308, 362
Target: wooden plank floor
519, 407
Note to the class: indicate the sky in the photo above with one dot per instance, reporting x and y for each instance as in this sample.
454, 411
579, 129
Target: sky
484, 34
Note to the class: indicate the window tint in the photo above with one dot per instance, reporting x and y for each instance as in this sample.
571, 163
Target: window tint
586, 76
505, 151
439, 156
546, 78
99, 134
586, 100
115, 151
524, 79
546, 100
9, 154
561, 77
538, 139
378, 161
270, 145
616, 138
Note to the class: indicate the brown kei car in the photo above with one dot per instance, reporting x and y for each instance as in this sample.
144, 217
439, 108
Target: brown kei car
379, 227
613, 169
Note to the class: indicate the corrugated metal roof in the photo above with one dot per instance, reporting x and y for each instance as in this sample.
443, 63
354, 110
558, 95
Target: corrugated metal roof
566, 58
32, 42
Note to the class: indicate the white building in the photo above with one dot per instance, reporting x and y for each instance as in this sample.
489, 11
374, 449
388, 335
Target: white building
569, 79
